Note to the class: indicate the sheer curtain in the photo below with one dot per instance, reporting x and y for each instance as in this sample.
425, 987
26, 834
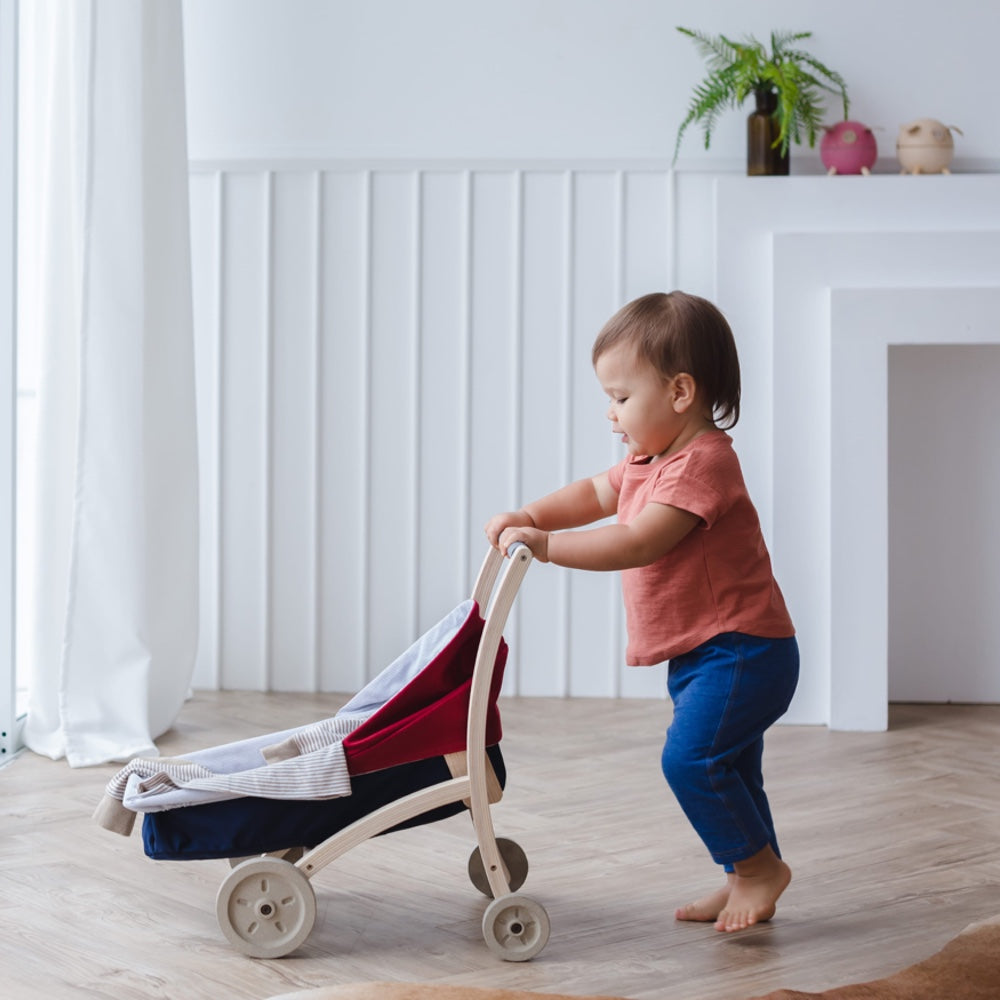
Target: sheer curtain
116, 574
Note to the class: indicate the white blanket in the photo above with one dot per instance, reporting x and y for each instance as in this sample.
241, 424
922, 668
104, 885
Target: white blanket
303, 763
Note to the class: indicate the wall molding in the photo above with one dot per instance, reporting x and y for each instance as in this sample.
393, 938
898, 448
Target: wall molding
805, 162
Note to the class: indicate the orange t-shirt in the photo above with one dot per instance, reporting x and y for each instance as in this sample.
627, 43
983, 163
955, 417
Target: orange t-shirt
718, 578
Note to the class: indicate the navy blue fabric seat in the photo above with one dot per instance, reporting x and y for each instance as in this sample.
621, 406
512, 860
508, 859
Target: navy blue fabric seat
245, 826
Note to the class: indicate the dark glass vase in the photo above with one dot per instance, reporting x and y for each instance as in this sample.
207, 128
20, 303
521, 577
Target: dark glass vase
764, 158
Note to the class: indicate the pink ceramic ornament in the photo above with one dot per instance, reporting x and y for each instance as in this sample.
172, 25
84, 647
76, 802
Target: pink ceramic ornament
848, 148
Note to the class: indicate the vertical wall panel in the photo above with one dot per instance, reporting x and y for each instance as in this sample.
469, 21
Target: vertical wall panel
495, 384
344, 454
596, 294
206, 244
387, 357
646, 267
494, 365
545, 429
694, 202
392, 413
292, 607
443, 417
646, 234
243, 458
495, 336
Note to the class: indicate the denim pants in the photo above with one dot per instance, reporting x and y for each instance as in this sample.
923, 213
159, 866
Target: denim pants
726, 692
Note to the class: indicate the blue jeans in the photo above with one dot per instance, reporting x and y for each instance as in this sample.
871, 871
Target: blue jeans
726, 692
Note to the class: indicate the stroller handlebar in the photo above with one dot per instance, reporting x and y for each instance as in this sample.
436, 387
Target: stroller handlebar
483, 588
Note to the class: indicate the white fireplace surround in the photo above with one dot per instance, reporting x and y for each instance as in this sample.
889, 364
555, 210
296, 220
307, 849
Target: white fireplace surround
863, 324
818, 288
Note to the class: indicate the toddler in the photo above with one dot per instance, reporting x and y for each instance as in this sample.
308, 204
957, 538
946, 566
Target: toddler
696, 579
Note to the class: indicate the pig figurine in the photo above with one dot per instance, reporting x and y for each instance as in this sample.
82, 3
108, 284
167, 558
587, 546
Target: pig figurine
848, 148
925, 146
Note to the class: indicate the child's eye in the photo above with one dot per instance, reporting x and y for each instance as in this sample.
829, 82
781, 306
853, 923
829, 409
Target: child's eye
624, 399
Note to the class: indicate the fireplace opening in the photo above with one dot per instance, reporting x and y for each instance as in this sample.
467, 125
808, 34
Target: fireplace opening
944, 523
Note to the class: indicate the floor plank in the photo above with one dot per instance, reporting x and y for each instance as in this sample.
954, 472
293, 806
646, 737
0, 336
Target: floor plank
892, 837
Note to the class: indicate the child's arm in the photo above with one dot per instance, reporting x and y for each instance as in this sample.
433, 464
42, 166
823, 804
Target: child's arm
582, 502
648, 537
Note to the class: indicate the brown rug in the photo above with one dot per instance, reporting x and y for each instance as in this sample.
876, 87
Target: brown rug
427, 991
967, 968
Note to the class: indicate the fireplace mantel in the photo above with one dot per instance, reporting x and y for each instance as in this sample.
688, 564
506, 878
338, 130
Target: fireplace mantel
819, 276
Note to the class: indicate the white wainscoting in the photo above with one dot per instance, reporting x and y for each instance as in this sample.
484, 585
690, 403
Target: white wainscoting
387, 356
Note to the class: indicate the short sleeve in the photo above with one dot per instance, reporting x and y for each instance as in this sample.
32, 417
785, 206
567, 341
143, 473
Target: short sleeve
681, 486
616, 475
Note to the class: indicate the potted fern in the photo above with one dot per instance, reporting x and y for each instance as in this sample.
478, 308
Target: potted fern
786, 83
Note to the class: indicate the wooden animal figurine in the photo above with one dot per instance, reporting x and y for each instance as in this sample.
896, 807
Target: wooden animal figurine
925, 146
848, 148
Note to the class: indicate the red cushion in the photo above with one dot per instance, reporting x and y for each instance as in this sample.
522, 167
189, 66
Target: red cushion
428, 717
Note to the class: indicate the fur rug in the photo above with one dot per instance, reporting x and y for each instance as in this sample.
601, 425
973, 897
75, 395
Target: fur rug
967, 968
425, 991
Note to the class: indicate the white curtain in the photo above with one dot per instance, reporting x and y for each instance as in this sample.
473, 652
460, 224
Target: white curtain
116, 577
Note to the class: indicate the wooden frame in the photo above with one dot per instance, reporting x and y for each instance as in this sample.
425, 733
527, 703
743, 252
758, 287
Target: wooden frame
476, 785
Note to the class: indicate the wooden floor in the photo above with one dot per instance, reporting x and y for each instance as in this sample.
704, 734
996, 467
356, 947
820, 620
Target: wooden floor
894, 839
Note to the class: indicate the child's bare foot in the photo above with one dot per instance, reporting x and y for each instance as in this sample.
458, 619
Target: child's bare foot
708, 907
758, 883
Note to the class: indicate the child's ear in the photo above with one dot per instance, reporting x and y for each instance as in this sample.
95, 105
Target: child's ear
683, 392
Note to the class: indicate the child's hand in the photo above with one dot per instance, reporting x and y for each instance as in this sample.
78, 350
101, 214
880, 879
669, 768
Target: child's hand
512, 519
503, 530
536, 540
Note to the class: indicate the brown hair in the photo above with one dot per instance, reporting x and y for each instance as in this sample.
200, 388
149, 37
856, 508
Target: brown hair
677, 332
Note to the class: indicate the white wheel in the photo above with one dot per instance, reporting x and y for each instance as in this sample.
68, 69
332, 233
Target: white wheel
516, 928
513, 857
266, 907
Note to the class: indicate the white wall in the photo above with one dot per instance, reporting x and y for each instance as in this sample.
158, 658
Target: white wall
409, 220
552, 78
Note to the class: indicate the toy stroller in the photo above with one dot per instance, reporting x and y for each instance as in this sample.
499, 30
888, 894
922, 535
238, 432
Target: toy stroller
413, 746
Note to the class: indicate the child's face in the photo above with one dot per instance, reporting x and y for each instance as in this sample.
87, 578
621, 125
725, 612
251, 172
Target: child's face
642, 406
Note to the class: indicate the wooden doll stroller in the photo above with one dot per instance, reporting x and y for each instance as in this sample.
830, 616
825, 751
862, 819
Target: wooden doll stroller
418, 743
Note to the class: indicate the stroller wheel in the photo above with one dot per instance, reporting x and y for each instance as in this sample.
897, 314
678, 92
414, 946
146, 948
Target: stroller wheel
266, 907
516, 928
513, 857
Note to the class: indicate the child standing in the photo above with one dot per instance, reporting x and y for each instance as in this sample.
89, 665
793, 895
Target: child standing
696, 579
